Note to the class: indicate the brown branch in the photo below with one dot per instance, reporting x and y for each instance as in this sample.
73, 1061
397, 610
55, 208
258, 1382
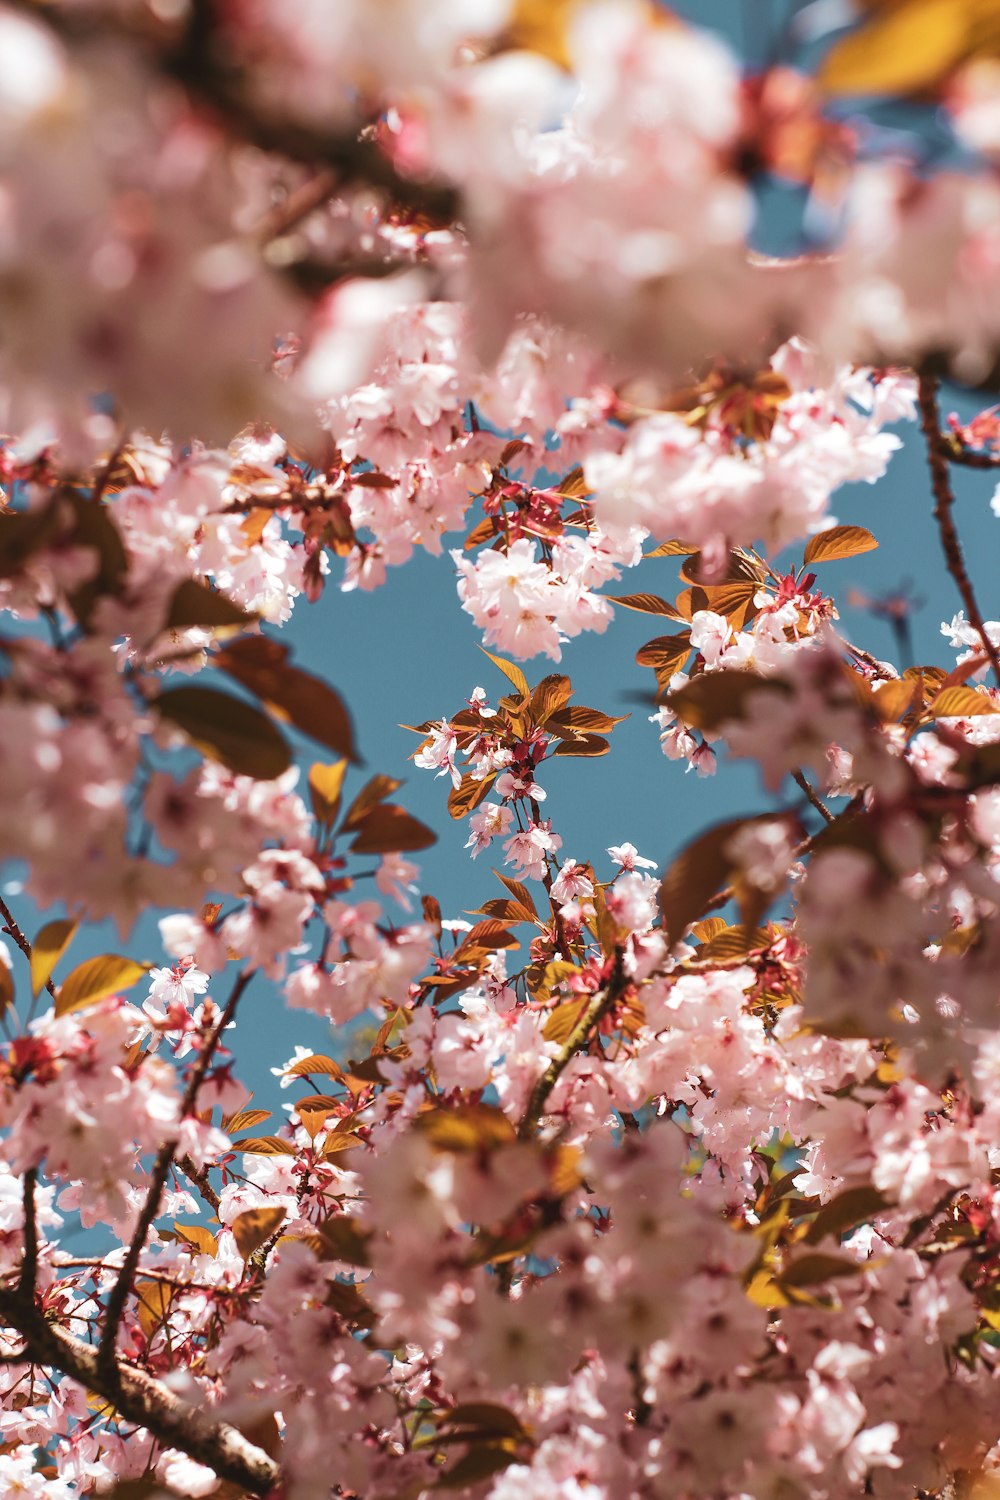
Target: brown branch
298, 205
603, 1002
29, 1264
12, 929
814, 798
141, 1399
968, 458
199, 1177
944, 500
119, 1294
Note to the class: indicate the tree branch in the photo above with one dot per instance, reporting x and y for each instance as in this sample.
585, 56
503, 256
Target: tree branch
199, 1177
29, 1264
814, 798
603, 1002
969, 458
119, 1293
141, 1399
12, 929
944, 500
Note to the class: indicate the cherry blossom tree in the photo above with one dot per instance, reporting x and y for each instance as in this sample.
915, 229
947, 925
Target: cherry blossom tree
651, 1181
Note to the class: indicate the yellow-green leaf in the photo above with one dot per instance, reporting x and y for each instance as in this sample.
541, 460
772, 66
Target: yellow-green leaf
47, 949
837, 542
95, 979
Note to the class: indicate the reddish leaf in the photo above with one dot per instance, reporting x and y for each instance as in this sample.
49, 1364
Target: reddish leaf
549, 696
468, 794
518, 890
197, 603
587, 744
371, 794
961, 703
510, 671
646, 604
254, 1227
577, 720
712, 698
309, 703
387, 829
695, 876
837, 542
228, 730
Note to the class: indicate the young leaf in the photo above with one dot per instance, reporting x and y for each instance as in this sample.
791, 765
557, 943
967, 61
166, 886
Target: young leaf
198, 1237
326, 783
228, 730
484, 937
245, 1119
469, 1127
709, 700
837, 542
810, 1270
6, 988
95, 979
47, 949
549, 696
666, 653
510, 671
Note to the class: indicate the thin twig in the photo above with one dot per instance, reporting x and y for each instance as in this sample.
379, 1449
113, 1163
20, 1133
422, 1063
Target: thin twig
296, 206
814, 798
944, 500
11, 927
968, 458
600, 1006
199, 1177
118, 1296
